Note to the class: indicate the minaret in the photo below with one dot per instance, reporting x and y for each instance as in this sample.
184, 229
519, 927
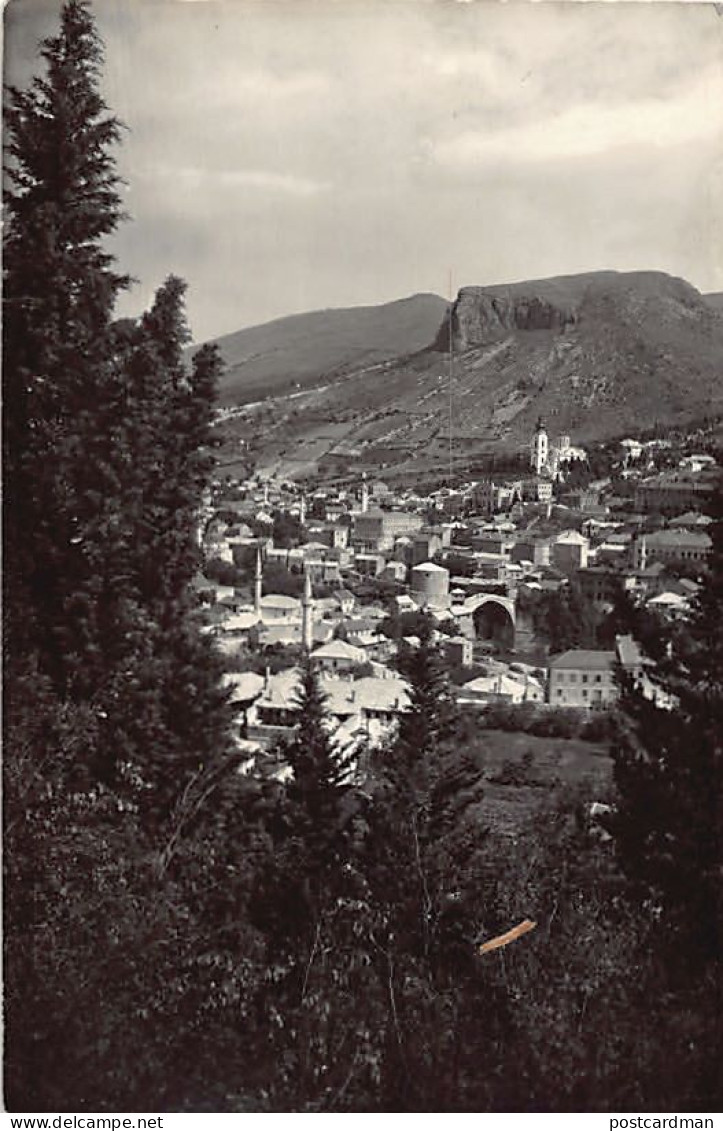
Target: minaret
307, 609
539, 448
364, 494
302, 510
640, 553
258, 579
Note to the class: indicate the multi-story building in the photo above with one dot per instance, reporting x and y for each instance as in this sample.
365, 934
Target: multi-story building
568, 552
582, 499
493, 567
673, 546
368, 705
425, 545
585, 678
582, 678
537, 490
674, 492
275, 607
323, 569
375, 530
601, 584
529, 549
369, 565
488, 497
458, 650
332, 534
338, 656
490, 542
367, 533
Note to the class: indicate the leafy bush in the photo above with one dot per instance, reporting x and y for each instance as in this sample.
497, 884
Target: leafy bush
510, 716
545, 722
223, 573
559, 722
598, 728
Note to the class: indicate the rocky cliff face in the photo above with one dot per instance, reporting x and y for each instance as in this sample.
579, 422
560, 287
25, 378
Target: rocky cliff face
482, 314
595, 354
479, 315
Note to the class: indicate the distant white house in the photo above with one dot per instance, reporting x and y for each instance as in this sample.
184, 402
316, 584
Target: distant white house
502, 687
369, 706
569, 551
338, 656
278, 607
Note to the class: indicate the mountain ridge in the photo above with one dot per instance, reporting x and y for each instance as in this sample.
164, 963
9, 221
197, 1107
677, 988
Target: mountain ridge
301, 349
596, 354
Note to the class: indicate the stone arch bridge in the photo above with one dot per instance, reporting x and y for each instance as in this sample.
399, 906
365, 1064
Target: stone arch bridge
494, 618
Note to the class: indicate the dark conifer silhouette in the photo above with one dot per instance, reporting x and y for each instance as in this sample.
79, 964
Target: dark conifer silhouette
60, 287
669, 773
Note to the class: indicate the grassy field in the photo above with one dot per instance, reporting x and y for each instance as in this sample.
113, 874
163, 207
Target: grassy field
523, 773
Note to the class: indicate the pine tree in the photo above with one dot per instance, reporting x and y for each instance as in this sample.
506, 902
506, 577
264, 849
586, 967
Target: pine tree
320, 769
430, 715
425, 781
116, 744
669, 775
313, 833
60, 286
424, 905
107, 448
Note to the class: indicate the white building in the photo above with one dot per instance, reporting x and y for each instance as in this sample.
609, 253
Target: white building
540, 448
569, 551
501, 688
549, 459
367, 707
338, 656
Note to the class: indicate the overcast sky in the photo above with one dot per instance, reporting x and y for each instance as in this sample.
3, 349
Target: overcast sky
289, 155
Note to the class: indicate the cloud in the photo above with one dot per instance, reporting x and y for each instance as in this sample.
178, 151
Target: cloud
294, 154
194, 178
591, 129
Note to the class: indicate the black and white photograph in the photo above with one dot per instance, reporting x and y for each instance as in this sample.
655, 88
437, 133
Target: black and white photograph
362, 560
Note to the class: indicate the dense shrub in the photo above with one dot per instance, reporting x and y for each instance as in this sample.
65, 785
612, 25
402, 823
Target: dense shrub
223, 573
558, 722
540, 720
510, 716
598, 728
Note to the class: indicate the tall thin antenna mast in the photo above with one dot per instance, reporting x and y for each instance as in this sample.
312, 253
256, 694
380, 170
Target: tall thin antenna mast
451, 363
